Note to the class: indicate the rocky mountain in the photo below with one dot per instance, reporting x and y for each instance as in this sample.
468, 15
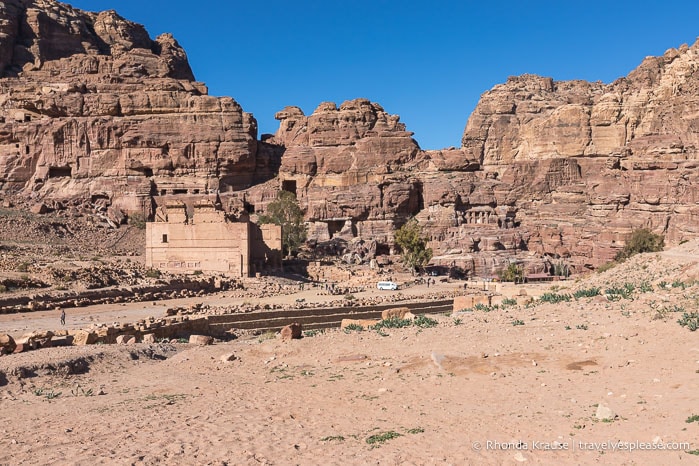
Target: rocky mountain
92, 108
548, 171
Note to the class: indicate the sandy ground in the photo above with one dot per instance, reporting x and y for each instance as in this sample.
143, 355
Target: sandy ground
513, 386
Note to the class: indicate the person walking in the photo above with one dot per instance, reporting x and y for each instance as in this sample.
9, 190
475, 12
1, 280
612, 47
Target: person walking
63, 316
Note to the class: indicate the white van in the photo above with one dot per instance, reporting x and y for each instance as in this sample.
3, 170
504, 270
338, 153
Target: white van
387, 286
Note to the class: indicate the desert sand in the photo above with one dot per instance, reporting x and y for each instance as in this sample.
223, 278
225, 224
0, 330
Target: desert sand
524, 384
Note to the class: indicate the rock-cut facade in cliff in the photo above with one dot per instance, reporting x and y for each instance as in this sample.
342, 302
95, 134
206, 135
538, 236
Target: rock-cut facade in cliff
90, 105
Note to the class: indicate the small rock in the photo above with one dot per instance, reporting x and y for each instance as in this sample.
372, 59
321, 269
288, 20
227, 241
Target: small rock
604, 413
228, 357
40, 209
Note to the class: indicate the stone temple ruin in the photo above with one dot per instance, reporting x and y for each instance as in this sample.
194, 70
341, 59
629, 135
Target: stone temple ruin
210, 240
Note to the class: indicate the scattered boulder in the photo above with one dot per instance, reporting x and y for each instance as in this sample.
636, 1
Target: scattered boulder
149, 338
228, 357
116, 215
605, 413
39, 209
395, 313
291, 331
125, 340
7, 344
37, 339
61, 340
201, 340
83, 337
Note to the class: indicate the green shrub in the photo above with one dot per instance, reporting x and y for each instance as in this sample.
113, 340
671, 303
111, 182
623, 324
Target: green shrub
642, 240
513, 273
616, 293
555, 298
509, 302
393, 322
423, 321
587, 293
138, 220
353, 328
517, 322
560, 269
482, 307
690, 320
382, 437
152, 273
645, 287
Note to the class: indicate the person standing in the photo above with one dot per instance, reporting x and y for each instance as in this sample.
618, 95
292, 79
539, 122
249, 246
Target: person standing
63, 316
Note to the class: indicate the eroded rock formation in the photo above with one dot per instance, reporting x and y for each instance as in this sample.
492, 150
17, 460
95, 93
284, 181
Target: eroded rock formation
92, 107
557, 170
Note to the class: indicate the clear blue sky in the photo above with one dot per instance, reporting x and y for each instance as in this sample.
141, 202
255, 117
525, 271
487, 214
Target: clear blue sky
427, 61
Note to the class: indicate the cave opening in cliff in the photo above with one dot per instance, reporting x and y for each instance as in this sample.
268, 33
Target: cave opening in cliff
289, 186
147, 172
58, 172
335, 226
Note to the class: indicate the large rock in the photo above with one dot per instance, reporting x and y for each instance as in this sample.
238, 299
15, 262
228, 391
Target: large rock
7, 344
291, 331
396, 313
84, 337
201, 340
37, 339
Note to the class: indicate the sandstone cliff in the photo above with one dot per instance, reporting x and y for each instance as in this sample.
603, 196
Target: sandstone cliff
588, 162
91, 106
548, 170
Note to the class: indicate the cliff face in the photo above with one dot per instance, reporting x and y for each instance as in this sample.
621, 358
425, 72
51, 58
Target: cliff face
546, 169
90, 105
588, 162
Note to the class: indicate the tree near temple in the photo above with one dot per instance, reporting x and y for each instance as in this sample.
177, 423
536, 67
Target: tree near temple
413, 245
285, 211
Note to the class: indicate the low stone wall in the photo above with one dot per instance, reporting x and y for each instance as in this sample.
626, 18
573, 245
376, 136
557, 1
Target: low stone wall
221, 326
172, 289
